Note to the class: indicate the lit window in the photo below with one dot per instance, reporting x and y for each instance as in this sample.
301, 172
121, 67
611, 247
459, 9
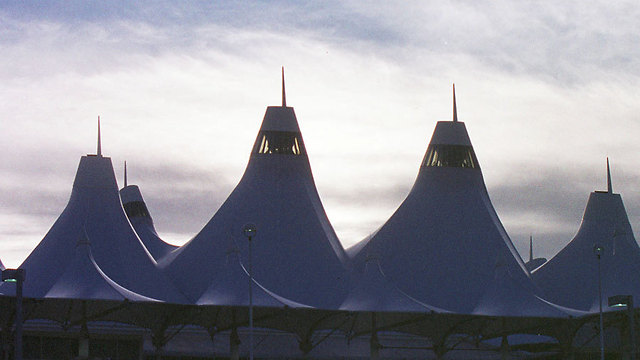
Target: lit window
450, 156
135, 209
278, 142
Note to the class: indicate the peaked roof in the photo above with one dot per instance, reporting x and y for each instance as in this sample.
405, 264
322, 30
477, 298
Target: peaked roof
296, 253
442, 243
2, 265
94, 210
571, 277
142, 222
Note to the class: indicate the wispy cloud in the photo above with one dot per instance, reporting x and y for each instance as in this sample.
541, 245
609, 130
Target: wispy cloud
546, 90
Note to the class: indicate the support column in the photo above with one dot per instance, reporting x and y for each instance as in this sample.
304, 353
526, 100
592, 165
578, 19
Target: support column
83, 342
374, 342
305, 346
234, 344
564, 334
83, 348
158, 341
374, 346
5, 341
504, 349
632, 332
212, 335
439, 350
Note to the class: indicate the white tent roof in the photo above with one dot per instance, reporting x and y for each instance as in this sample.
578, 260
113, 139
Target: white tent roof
83, 279
138, 214
296, 253
506, 295
231, 287
374, 292
571, 277
442, 243
2, 265
94, 210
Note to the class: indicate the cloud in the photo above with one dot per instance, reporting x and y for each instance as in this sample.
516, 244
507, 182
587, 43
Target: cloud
181, 200
548, 203
546, 91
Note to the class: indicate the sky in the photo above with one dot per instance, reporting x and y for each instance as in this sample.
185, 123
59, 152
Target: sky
547, 90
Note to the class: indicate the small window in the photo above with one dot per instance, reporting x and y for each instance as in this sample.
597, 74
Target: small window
278, 142
135, 209
450, 156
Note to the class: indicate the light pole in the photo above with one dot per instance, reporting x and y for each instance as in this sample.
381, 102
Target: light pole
598, 250
249, 231
627, 300
17, 276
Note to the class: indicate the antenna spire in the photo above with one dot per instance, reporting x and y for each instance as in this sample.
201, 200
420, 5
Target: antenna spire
455, 109
284, 95
99, 152
125, 173
609, 187
530, 248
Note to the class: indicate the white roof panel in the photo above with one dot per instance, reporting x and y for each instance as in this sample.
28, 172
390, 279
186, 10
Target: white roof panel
296, 253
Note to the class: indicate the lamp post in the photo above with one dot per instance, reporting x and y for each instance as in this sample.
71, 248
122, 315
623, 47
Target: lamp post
17, 276
598, 250
627, 300
249, 231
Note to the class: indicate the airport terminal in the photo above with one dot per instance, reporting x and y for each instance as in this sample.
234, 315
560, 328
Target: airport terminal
268, 278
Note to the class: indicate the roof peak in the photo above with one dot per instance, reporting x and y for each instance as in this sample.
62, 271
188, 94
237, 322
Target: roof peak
99, 150
284, 95
609, 186
455, 108
530, 247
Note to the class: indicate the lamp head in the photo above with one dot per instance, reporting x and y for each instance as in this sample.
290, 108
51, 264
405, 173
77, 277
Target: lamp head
13, 275
620, 300
249, 230
598, 250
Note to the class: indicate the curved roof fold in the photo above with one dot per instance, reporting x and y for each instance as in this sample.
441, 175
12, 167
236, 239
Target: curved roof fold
94, 212
83, 279
571, 277
374, 292
442, 243
296, 253
231, 287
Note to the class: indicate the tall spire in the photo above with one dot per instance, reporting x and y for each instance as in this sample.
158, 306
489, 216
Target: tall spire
125, 173
99, 152
455, 109
609, 187
284, 95
530, 248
